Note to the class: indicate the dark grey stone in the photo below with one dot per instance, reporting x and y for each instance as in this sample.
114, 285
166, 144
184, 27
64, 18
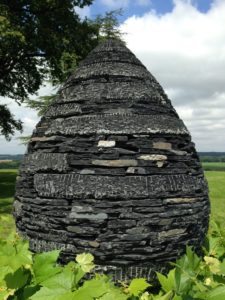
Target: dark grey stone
111, 170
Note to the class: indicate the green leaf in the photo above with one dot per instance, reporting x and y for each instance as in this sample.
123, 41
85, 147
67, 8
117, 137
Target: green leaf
114, 294
14, 254
5, 293
222, 267
44, 265
75, 272
27, 292
3, 272
51, 294
94, 288
216, 294
213, 263
137, 286
167, 283
86, 261
167, 296
18, 279
187, 268
61, 281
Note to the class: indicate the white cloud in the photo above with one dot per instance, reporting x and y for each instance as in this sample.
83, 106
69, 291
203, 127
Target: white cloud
185, 50
84, 12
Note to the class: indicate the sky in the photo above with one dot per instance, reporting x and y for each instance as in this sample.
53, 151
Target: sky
182, 43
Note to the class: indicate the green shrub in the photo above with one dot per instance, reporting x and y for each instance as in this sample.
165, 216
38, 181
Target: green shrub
24, 275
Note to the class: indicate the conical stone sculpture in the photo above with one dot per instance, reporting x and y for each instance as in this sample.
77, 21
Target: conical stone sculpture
111, 170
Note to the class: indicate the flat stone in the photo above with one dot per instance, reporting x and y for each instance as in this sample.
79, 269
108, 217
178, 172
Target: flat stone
82, 209
133, 237
121, 223
178, 152
17, 207
180, 200
137, 230
160, 164
39, 139
87, 172
75, 229
171, 233
115, 163
154, 157
38, 161
125, 187
106, 144
117, 124
94, 244
165, 222
162, 145
137, 170
100, 216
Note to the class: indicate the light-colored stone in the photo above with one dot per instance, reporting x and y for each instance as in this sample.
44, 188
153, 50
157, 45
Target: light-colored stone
81, 209
160, 164
136, 170
162, 145
106, 144
94, 244
154, 157
115, 163
171, 233
39, 139
165, 222
178, 152
180, 200
100, 216
74, 229
87, 172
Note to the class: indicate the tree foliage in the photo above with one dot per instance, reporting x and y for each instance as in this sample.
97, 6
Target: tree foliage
39, 39
8, 124
108, 25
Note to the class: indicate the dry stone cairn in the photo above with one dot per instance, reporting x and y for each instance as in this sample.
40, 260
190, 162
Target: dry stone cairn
111, 170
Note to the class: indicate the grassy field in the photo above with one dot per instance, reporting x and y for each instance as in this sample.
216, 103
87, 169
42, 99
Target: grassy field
214, 166
7, 185
216, 181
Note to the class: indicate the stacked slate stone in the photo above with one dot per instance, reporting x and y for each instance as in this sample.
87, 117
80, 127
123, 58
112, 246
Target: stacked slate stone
111, 170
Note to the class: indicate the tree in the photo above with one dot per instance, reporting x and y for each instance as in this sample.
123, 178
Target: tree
39, 40
108, 25
8, 124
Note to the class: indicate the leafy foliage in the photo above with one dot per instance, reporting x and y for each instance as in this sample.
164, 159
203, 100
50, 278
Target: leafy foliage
108, 25
39, 40
8, 124
38, 276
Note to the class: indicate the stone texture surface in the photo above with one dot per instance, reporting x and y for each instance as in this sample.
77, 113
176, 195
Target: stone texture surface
111, 169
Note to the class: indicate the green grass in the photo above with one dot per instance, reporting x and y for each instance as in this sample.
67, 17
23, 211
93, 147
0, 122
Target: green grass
213, 166
7, 185
216, 180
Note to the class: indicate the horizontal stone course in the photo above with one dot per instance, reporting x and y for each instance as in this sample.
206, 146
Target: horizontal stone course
117, 124
78, 186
